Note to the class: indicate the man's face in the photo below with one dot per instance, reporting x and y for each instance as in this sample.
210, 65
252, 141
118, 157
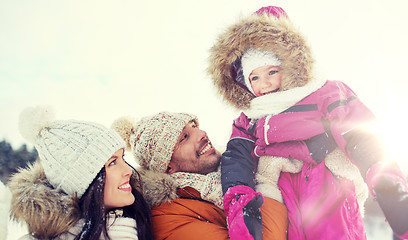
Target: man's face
194, 152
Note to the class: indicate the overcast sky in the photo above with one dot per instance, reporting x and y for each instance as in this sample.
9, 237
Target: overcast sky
99, 60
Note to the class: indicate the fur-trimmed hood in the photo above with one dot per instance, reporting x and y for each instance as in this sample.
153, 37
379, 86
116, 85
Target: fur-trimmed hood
49, 212
262, 32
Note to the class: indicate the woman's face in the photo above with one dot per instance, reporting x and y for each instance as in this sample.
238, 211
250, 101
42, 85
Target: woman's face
117, 191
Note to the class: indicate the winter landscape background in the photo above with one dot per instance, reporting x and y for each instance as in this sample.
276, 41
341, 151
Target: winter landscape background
99, 60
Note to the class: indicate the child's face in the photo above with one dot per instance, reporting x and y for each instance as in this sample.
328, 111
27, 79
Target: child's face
265, 80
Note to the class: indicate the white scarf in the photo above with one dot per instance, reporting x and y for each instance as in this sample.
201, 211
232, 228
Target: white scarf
275, 103
118, 228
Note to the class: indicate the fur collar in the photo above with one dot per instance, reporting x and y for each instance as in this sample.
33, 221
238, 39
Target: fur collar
278, 36
158, 187
49, 212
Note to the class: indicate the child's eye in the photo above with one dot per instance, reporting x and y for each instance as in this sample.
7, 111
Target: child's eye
272, 72
255, 78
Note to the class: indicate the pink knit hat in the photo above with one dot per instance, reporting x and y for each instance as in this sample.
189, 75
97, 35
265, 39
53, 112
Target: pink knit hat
272, 10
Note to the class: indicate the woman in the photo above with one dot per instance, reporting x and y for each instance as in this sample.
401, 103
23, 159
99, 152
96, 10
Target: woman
81, 187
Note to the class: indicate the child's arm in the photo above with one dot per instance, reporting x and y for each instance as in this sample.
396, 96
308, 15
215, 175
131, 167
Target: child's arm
237, 164
241, 202
349, 118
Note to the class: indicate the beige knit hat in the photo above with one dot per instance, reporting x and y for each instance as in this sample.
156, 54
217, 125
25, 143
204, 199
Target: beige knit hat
71, 152
153, 138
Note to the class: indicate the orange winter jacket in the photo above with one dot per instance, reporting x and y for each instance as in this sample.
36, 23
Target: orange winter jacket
190, 217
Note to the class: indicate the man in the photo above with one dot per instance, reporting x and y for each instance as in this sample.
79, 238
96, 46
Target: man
182, 179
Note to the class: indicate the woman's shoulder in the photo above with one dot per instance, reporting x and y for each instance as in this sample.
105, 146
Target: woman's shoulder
51, 211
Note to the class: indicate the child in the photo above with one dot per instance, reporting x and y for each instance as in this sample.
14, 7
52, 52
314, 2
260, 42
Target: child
263, 66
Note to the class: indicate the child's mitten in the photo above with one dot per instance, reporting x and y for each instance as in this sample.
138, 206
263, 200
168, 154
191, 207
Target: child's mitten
389, 187
241, 204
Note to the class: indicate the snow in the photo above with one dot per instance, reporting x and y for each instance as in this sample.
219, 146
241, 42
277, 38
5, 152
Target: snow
377, 229
16, 230
5, 197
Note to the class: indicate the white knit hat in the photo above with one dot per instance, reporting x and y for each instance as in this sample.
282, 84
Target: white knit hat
255, 58
71, 152
153, 138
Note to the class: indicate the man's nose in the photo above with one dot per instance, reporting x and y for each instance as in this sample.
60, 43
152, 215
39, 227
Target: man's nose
201, 134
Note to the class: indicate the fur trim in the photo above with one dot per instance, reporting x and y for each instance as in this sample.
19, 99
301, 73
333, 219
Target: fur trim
340, 165
47, 212
269, 169
157, 187
125, 126
278, 36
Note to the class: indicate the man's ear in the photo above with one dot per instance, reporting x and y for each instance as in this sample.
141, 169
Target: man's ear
170, 169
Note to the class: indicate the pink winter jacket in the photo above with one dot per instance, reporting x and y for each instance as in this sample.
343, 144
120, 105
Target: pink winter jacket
321, 204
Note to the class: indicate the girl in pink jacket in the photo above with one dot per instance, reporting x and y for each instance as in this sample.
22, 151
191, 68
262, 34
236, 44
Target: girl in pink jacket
305, 135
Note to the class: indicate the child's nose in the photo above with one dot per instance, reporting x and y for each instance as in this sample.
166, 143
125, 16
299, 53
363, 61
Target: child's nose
271, 82
267, 82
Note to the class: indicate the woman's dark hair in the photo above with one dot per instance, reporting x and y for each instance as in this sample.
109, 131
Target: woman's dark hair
95, 216
139, 210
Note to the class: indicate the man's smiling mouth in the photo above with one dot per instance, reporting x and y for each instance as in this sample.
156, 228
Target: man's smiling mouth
206, 148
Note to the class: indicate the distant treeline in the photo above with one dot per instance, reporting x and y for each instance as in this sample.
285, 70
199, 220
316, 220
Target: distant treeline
12, 159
